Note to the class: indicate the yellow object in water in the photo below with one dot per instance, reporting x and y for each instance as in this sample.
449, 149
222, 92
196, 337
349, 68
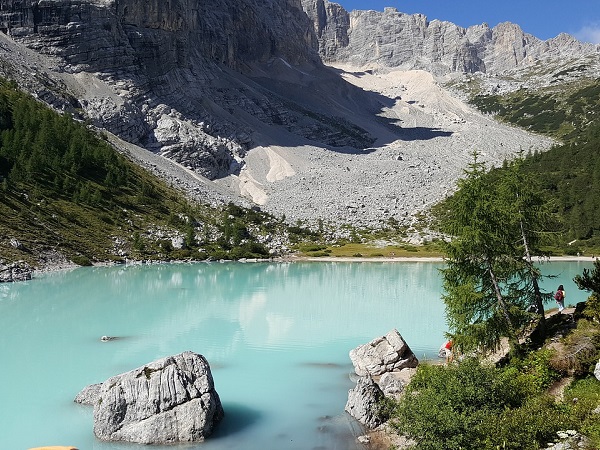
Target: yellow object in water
54, 447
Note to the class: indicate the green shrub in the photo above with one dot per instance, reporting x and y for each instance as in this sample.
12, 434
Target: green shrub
592, 308
166, 245
249, 250
469, 406
526, 427
311, 247
81, 261
580, 351
181, 254
582, 398
535, 369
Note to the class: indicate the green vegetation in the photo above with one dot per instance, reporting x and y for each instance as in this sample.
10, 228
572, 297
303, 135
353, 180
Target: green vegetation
371, 250
472, 406
583, 398
65, 191
563, 111
521, 404
489, 278
384, 242
569, 173
570, 177
590, 281
497, 219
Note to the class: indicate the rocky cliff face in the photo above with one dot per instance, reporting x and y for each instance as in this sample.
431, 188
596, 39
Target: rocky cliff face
182, 78
394, 39
235, 91
109, 35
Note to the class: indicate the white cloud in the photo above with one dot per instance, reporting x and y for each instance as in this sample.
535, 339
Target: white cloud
589, 33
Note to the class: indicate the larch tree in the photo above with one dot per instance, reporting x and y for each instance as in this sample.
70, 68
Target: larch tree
530, 219
489, 270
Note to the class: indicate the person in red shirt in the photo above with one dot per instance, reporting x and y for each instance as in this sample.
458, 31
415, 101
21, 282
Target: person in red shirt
448, 347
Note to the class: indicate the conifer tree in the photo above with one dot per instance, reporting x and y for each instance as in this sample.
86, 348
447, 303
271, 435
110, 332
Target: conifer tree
529, 219
489, 279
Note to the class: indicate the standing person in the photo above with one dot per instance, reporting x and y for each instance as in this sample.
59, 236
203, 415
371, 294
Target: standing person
559, 296
448, 346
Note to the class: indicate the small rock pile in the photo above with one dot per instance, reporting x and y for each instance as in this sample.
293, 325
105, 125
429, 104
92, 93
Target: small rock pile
568, 440
17, 271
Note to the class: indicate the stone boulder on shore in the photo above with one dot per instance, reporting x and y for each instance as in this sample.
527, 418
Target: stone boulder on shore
363, 400
385, 366
387, 353
167, 401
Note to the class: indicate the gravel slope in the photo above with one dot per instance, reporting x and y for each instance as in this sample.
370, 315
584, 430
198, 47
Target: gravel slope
427, 140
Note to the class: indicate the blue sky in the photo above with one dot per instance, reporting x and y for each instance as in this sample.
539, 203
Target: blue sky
542, 18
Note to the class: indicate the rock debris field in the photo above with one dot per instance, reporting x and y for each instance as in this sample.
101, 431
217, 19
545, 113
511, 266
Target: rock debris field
426, 138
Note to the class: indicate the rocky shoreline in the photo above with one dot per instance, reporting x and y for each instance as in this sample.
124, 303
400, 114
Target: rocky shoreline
21, 271
16, 271
390, 383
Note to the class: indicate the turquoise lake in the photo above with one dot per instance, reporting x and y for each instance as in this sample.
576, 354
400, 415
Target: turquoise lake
277, 337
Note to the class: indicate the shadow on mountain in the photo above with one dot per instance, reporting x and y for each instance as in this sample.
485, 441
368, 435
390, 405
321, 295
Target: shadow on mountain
422, 134
352, 151
324, 109
243, 99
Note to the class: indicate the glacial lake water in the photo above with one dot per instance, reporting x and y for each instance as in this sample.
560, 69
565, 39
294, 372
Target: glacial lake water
277, 337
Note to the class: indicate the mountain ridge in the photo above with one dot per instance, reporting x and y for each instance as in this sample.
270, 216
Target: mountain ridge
133, 64
410, 41
293, 136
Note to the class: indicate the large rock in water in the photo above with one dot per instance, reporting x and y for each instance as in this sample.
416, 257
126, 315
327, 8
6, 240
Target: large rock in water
388, 353
363, 402
167, 401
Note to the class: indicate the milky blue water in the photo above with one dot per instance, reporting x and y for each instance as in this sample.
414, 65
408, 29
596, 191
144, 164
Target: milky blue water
277, 336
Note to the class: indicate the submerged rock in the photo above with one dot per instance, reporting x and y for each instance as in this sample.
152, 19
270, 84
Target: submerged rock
89, 394
387, 353
167, 401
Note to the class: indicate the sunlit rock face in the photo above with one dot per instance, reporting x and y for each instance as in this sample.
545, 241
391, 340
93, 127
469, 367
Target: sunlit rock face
160, 36
410, 41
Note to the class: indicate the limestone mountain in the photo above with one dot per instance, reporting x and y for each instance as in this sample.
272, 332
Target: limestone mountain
182, 77
237, 94
410, 41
